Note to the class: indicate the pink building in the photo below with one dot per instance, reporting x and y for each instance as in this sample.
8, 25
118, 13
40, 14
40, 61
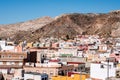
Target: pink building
55, 45
18, 48
116, 56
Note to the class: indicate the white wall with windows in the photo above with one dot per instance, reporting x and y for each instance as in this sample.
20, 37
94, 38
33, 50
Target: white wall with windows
100, 70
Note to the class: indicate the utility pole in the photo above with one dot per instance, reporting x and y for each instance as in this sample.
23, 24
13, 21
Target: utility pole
107, 68
80, 73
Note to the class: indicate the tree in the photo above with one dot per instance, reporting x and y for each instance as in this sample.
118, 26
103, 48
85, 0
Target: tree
0, 38
84, 33
67, 37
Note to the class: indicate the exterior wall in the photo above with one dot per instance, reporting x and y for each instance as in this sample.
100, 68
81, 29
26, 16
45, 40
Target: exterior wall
96, 71
18, 73
12, 56
72, 51
80, 53
28, 76
29, 45
10, 62
18, 48
32, 57
72, 77
2, 44
65, 44
4, 71
55, 45
51, 53
50, 71
32, 76
72, 59
104, 55
97, 57
35, 76
47, 52
116, 56
7, 46
103, 48
38, 56
78, 66
117, 44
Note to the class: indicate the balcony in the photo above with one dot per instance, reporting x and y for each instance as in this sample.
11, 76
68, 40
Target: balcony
10, 59
11, 66
48, 65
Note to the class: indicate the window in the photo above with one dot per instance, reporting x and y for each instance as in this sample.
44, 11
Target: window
37, 71
3, 56
109, 66
45, 78
21, 57
118, 74
20, 63
1, 63
44, 71
117, 54
102, 66
81, 68
42, 79
9, 56
51, 73
12, 63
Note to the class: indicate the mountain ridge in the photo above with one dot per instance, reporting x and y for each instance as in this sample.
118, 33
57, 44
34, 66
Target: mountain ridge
31, 25
103, 24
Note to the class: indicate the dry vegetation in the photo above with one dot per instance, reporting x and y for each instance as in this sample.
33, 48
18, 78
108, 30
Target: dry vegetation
106, 25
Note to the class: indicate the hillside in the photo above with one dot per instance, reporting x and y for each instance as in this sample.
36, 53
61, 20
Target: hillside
11, 29
105, 25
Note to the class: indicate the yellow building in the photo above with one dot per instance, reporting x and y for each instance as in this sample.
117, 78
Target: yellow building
29, 45
118, 65
72, 77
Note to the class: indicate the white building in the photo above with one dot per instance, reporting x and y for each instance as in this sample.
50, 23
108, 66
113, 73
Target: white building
80, 53
68, 51
101, 70
35, 76
5, 46
65, 44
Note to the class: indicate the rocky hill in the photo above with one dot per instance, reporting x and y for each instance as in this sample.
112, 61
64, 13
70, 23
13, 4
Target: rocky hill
10, 30
105, 25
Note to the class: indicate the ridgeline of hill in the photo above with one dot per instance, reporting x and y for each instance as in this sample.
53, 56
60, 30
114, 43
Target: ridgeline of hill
105, 25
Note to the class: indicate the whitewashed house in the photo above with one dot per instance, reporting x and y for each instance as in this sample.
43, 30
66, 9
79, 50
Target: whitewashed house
101, 70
